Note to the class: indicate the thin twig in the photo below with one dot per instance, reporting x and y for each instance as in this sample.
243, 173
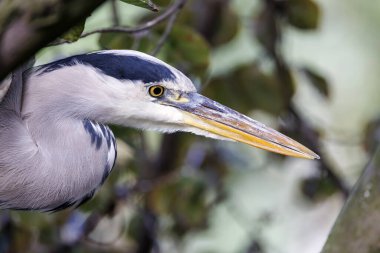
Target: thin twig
304, 129
165, 35
132, 30
115, 13
312, 140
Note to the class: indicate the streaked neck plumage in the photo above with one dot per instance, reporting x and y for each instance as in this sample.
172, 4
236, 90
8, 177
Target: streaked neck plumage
69, 150
74, 151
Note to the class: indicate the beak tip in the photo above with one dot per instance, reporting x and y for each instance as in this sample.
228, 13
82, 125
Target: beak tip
314, 157
311, 155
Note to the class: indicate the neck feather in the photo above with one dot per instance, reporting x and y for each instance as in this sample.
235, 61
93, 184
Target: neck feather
78, 91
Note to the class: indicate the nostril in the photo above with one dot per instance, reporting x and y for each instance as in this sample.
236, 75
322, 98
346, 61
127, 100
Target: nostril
179, 96
212, 105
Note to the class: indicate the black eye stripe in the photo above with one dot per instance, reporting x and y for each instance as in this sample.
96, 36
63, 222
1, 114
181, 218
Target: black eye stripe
136, 68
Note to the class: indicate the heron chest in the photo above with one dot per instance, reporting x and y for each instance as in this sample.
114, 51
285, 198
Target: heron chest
98, 136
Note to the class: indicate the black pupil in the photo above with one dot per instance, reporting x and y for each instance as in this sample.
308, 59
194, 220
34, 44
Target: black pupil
157, 91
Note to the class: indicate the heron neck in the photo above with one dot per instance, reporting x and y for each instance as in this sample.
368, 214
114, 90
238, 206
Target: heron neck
77, 92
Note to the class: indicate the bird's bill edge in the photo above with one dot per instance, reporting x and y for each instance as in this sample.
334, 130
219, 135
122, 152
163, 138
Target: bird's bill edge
232, 133
205, 114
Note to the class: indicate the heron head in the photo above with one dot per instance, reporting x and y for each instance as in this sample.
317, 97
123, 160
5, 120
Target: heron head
164, 99
153, 95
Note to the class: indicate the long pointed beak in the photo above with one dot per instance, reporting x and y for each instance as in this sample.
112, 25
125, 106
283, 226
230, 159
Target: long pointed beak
206, 114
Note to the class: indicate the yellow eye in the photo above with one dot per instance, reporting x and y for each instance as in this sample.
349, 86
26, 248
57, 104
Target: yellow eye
156, 91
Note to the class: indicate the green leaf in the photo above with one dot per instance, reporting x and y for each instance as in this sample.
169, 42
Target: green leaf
185, 200
249, 87
184, 48
135, 227
75, 32
115, 41
162, 3
317, 80
125, 41
225, 21
316, 188
303, 14
226, 28
267, 30
187, 50
147, 4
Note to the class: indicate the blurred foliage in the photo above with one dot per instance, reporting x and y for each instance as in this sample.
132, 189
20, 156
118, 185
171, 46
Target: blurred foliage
184, 47
317, 187
318, 81
303, 14
372, 135
170, 190
74, 33
147, 4
248, 87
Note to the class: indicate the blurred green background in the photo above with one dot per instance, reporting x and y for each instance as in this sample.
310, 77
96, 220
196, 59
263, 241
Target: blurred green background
318, 57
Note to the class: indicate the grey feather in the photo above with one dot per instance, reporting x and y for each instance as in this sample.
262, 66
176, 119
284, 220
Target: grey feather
48, 158
56, 149
13, 98
41, 171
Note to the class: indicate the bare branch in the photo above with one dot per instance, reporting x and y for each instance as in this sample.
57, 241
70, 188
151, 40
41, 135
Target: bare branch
165, 35
173, 9
357, 228
115, 13
311, 139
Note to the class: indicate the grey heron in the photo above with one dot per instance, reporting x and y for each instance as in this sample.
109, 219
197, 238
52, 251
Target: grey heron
56, 148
